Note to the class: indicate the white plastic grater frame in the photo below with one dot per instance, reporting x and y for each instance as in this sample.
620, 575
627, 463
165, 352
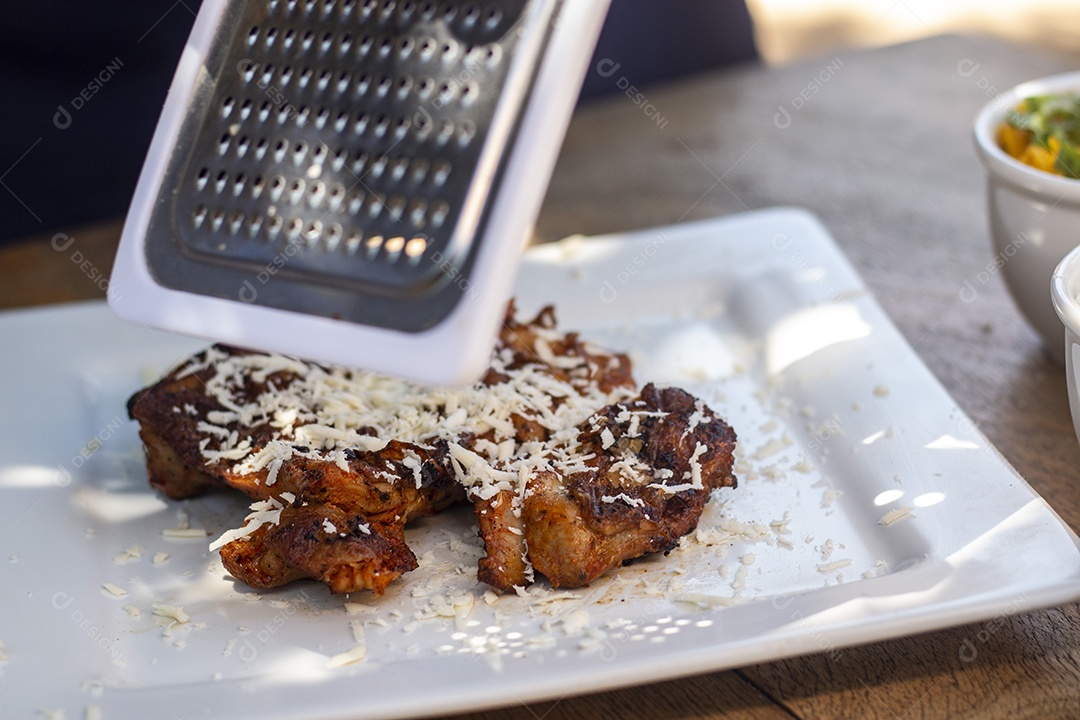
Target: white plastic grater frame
455, 351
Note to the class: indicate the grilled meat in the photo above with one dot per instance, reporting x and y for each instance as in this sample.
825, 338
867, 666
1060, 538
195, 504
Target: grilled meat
322, 542
569, 471
652, 463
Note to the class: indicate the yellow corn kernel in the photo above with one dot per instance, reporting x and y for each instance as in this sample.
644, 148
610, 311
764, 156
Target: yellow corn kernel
1038, 157
1013, 141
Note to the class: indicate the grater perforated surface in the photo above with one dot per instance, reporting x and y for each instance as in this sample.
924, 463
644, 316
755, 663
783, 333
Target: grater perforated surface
339, 155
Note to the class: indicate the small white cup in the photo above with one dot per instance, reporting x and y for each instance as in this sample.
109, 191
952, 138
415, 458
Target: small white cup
1064, 291
1034, 215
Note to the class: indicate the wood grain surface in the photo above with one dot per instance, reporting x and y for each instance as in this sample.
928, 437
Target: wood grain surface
877, 144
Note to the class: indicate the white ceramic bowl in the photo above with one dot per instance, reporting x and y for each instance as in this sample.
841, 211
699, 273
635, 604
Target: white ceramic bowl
1034, 215
1064, 291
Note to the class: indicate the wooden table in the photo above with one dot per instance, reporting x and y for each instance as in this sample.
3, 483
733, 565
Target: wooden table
877, 144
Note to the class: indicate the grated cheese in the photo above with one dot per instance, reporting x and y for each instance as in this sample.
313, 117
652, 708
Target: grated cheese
781, 525
575, 621
894, 516
173, 612
739, 581
349, 657
412, 462
772, 447
695, 467
631, 501
607, 439
264, 512
707, 600
133, 552
826, 568
114, 590
827, 549
184, 533
354, 655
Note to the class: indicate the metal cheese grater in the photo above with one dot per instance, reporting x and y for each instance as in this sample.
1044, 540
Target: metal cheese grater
352, 181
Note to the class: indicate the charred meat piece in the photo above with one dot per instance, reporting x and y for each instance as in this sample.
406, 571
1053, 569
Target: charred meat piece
394, 485
168, 472
581, 369
344, 527
174, 416
654, 462
322, 542
564, 355
382, 488
505, 563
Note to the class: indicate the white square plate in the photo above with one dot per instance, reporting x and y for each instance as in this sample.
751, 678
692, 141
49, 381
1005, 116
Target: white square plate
842, 430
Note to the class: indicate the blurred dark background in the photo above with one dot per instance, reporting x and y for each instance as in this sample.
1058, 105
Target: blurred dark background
57, 171
83, 84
